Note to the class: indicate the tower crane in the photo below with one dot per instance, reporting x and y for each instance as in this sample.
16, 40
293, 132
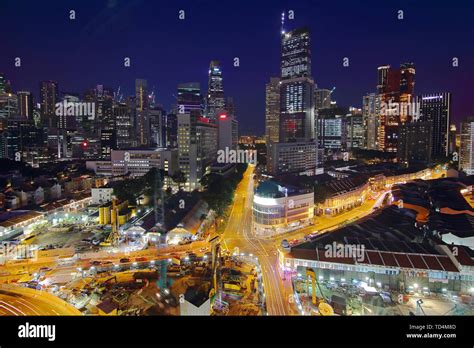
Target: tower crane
332, 90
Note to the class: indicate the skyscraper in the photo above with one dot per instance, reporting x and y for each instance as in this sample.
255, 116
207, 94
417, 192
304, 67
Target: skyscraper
355, 129
197, 147
272, 110
296, 148
371, 114
395, 89
332, 129
189, 97
49, 96
272, 117
414, 145
466, 150
297, 88
215, 95
141, 89
3, 83
228, 136
124, 128
157, 116
436, 108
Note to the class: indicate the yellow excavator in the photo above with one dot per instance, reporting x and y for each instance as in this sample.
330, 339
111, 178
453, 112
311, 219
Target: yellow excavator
324, 308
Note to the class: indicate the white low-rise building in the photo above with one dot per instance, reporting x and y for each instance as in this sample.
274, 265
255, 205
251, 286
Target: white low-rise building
279, 209
101, 195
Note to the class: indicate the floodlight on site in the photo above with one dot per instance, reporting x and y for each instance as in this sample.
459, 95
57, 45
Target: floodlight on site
321, 277
343, 279
415, 286
167, 291
331, 279
379, 284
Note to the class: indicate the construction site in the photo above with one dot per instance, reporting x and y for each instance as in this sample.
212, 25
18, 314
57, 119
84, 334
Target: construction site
316, 295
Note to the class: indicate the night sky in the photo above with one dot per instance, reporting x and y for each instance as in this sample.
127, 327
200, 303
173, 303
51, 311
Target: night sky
166, 51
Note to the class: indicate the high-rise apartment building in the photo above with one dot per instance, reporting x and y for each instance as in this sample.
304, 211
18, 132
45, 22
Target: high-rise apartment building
436, 108
371, 116
414, 146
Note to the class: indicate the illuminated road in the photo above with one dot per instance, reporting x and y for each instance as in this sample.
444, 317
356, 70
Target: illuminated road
238, 234
19, 301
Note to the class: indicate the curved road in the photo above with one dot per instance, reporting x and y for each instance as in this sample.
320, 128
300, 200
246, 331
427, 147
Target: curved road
238, 234
19, 301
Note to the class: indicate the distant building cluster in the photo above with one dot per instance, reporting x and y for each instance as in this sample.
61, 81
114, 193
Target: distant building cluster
120, 135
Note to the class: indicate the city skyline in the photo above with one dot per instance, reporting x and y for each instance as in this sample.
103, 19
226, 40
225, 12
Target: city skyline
257, 52
198, 159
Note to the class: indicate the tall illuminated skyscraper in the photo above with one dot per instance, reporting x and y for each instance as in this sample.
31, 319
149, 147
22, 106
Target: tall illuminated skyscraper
395, 86
189, 97
296, 148
215, 95
272, 110
49, 96
25, 104
141, 108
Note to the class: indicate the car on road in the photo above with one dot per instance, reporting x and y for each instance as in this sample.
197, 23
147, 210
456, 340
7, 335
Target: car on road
124, 260
95, 263
140, 259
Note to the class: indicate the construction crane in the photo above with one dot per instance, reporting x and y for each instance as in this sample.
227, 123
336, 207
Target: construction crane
323, 307
159, 211
215, 254
332, 90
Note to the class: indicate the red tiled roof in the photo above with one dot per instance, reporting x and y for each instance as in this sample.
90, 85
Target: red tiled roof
447, 264
433, 263
389, 259
382, 258
403, 260
462, 255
